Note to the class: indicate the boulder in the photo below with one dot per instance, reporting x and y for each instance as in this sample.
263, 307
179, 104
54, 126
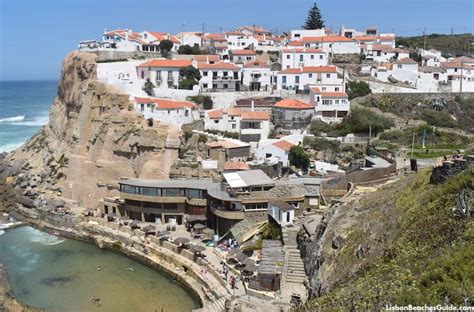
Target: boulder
55, 203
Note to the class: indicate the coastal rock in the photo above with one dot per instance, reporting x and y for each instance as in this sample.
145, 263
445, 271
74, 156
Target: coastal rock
56, 203
93, 135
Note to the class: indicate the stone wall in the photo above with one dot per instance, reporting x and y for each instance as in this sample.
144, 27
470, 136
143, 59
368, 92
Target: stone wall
449, 168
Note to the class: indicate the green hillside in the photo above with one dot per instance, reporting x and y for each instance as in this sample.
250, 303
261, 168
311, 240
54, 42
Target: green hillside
429, 258
455, 45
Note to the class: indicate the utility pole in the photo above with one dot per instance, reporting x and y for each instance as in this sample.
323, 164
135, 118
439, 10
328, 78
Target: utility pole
462, 77
412, 145
424, 41
202, 34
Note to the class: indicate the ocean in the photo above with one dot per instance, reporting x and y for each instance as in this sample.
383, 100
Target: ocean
24, 108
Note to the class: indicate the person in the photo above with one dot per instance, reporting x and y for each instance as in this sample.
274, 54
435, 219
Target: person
99, 268
232, 282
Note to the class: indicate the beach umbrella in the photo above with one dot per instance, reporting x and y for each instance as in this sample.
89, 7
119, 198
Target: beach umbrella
240, 256
233, 252
199, 226
133, 224
251, 268
197, 248
162, 233
149, 229
248, 261
181, 240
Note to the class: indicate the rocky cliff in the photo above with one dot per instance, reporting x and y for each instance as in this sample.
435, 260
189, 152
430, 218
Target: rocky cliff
400, 244
93, 138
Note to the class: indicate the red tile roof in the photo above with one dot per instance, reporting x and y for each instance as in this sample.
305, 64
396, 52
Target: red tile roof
366, 38
315, 90
224, 144
405, 60
220, 65
242, 52
206, 58
326, 39
236, 165
166, 63
310, 69
234, 111
283, 145
255, 116
257, 64
293, 104
302, 50
334, 94
215, 114
234, 33
164, 103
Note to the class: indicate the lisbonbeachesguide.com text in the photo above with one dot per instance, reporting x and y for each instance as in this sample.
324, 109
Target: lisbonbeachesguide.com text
438, 307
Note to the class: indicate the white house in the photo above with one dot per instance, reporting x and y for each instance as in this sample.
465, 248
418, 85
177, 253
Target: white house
223, 120
219, 76
386, 39
190, 38
405, 70
123, 40
282, 212
163, 73
175, 112
254, 126
302, 78
329, 44
238, 40
383, 53
329, 106
302, 57
299, 34
254, 30
274, 149
381, 71
431, 78
257, 76
242, 56
292, 114
151, 40
460, 73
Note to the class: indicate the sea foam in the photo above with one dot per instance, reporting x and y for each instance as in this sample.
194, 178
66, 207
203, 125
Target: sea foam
12, 119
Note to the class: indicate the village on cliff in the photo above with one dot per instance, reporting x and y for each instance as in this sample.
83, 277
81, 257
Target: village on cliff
267, 111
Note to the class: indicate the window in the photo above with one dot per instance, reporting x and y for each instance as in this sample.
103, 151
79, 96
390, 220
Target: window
214, 86
336, 102
328, 75
142, 107
149, 191
216, 121
321, 57
129, 189
327, 102
312, 56
330, 45
142, 74
343, 101
310, 75
301, 57
171, 192
192, 193
225, 74
214, 74
336, 89
186, 113
297, 79
226, 85
283, 79
323, 89
236, 75
233, 126
399, 66
204, 85
204, 73
287, 56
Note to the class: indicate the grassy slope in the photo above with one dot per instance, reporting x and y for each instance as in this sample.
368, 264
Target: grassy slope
448, 44
430, 260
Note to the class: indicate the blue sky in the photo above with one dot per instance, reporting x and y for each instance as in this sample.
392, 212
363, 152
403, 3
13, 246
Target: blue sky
35, 35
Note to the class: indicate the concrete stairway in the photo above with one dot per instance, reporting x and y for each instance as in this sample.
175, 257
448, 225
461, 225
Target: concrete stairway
216, 306
295, 266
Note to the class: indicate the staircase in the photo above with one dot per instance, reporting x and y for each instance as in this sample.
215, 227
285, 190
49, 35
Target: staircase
295, 272
215, 306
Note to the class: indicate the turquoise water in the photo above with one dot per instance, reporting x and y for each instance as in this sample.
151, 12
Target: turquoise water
24, 107
59, 274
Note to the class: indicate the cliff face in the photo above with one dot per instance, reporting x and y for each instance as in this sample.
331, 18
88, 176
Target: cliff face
93, 138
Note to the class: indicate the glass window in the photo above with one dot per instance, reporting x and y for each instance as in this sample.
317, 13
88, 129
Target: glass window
301, 57
129, 189
171, 192
192, 193
149, 191
328, 75
312, 56
283, 79
287, 57
297, 79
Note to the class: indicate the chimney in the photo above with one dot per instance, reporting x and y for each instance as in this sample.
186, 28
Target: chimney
253, 105
126, 34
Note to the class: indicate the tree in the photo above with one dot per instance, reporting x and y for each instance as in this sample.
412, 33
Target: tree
165, 47
314, 19
191, 77
298, 157
357, 88
187, 49
148, 87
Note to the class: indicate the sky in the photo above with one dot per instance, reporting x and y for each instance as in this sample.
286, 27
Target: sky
35, 35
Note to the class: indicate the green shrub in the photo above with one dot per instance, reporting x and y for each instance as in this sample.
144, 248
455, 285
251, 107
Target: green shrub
321, 144
298, 157
357, 89
437, 118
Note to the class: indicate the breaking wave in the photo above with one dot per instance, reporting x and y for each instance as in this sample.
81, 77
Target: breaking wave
12, 119
46, 239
